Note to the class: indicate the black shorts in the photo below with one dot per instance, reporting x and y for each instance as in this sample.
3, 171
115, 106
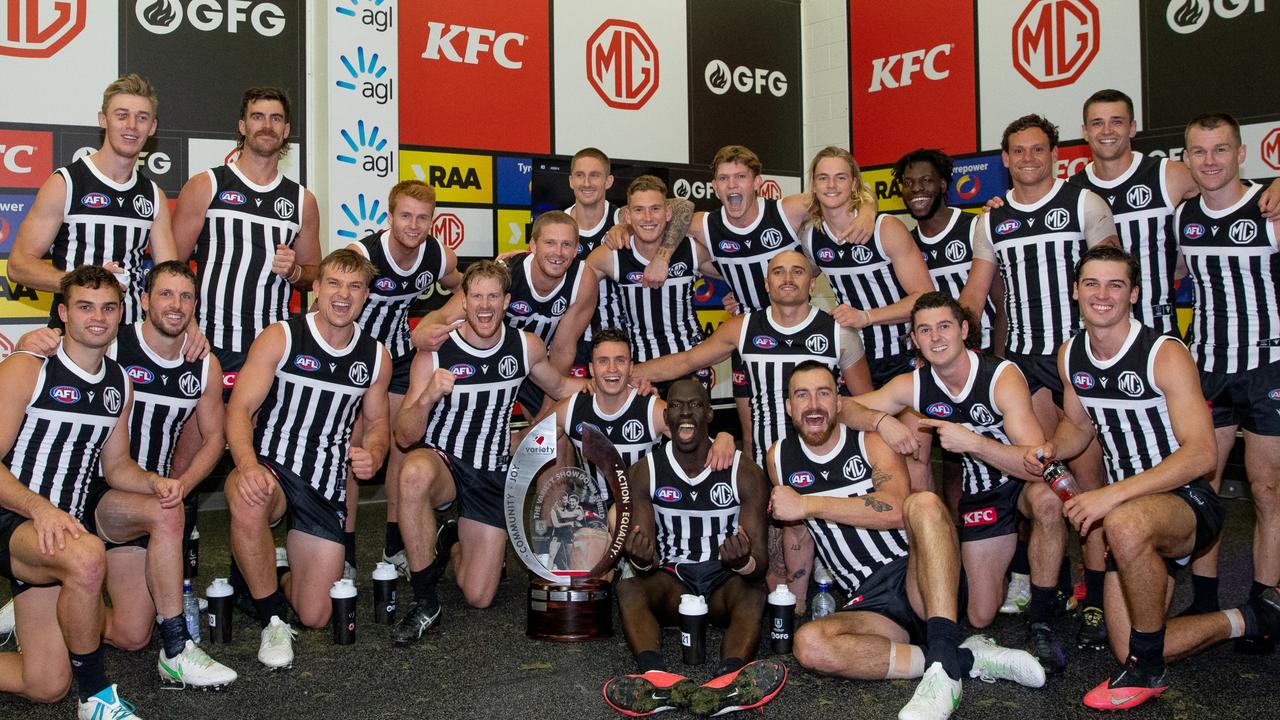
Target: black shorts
1210, 517
701, 578
1041, 371
885, 593
308, 511
400, 373
231, 362
887, 368
9, 522
990, 514
479, 492
1249, 399
90, 520
741, 387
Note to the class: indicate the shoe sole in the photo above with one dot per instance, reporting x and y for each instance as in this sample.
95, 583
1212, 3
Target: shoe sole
634, 713
1129, 704
168, 683
738, 708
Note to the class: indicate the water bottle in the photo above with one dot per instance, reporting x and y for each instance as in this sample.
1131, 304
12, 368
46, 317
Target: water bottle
824, 603
1059, 477
782, 619
191, 568
384, 593
343, 597
693, 629
219, 593
191, 611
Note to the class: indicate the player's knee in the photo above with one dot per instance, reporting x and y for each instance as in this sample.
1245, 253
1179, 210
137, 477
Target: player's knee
84, 564
479, 596
924, 508
313, 614
131, 639
980, 617
1046, 507
416, 478
46, 687
168, 522
1128, 532
811, 648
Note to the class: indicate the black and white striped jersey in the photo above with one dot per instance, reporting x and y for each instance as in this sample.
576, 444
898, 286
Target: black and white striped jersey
473, 423
1234, 262
742, 255
165, 394
769, 353
662, 321
862, 277
1036, 248
105, 221
974, 407
69, 417
949, 256
1130, 414
539, 314
850, 553
695, 514
1143, 212
386, 313
305, 422
609, 310
630, 429
239, 294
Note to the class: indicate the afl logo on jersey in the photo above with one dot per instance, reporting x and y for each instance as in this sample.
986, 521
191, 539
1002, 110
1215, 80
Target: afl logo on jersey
385, 284
854, 468
668, 494
1139, 196
359, 373
189, 384
632, 430
817, 344
95, 200
722, 494
764, 342
520, 307
801, 479
1056, 219
1193, 231
284, 209
111, 400
1130, 384
507, 366
143, 206
232, 197
1082, 380
65, 394
635, 278
861, 254
956, 251
423, 280
981, 415
940, 409
729, 246
140, 375
1274, 394
559, 306
771, 238
306, 363
826, 254
1008, 226
463, 370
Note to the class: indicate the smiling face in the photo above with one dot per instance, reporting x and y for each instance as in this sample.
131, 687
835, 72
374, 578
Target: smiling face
589, 179
1214, 156
611, 367
832, 181
649, 215
939, 335
484, 305
1109, 128
923, 191
736, 186
688, 414
411, 221
129, 121
264, 127
170, 303
789, 279
340, 295
555, 249
1029, 158
1105, 293
813, 403
91, 315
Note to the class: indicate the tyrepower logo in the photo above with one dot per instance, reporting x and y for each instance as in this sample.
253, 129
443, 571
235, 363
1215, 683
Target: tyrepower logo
1188, 16
984, 516
622, 64
1270, 149
720, 78
1054, 41
448, 228
234, 16
38, 28
26, 158
898, 70
462, 44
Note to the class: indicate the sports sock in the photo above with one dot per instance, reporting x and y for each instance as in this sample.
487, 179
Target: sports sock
1256, 589
392, 542
349, 545
650, 660
1042, 601
1093, 580
1064, 576
424, 586
1020, 564
273, 604
1204, 597
1147, 648
89, 673
943, 646
173, 635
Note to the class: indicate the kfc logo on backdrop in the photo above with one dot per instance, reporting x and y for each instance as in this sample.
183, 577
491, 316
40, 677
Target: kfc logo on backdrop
1270, 149
39, 29
622, 64
448, 228
897, 70
1054, 41
26, 158
442, 44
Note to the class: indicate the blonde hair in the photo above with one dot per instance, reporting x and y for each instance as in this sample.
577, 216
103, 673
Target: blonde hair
131, 84
737, 154
862, 194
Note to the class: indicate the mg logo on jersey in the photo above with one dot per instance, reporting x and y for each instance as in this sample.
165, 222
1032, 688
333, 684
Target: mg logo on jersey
826, 254
189, 384
1054, 41
1082, 380
1057, 218
1008, 226
722, 494
39, 29
1270, 149
95, 200
520, 307
1130, 384
720, 79
896, 70
559, 306
140, 375
632, 430
854, 468
764, 342
423, 280
861, 254
284, 208
801, 479
463, 370
1193, 231
1188, 16
358, 373
111, 400
232, 197
448, 228
306, 363
1138, 196
65, 394
622, 64
817, 344
679, 269
669, 494
143, 206
385, 284
984, 516
729, 246
507, 366
1243, 231
441, 39
940, 409
164, 16
955, 251
771, 238
981, 415
770, 190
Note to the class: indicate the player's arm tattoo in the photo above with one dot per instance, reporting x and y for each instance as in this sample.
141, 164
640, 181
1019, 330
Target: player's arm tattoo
879, 477
876, 504
797, 575
678, 228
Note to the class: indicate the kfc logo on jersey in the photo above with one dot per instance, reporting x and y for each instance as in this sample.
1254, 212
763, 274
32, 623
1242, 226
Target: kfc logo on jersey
1082, 380
854, 468
306, 363
140, 375
940, 409
441, 45
981, 415
36, 29
463, 370
189, 384
1193, 231
722, 494
984, 516
520, 307
622, 64
385, 285
801, 479
162, 17
1243, 231
720, 79
632, 430
507, 367
896, 71
817, 344
729, 246
764, 342
1008, 226
1054, 41
826, 254
95, 200
65, 394
232, 197
739, 378
448, 228
772, 238
1138, 196
1130, 384
669, 494
1188, 16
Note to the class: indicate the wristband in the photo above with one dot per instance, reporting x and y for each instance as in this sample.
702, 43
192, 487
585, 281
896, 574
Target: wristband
749, 568
876, 427
290, 278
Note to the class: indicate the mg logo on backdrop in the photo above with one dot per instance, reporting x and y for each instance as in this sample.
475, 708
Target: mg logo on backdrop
770, 190
448, 228
39, 29
1054, 41
1270, 149
622, 64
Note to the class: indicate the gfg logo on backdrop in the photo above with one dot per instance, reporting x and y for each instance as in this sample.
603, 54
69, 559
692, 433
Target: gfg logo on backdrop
39, 29
1188, 16
720, 78
622, 64
1054, 41
164, 16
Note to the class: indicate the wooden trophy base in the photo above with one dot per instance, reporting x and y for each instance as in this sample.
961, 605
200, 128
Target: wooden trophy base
578, 611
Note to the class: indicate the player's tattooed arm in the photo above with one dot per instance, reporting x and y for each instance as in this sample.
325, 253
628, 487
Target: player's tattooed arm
678, 228
879, 477
876, 504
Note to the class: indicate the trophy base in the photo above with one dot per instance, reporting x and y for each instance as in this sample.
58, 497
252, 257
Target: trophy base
578, 611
